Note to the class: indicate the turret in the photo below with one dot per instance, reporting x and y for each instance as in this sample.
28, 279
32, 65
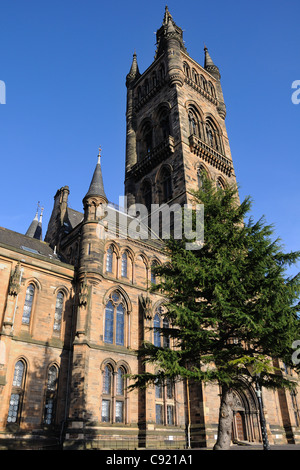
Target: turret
214, 71
92, 238
170, 42
35, 228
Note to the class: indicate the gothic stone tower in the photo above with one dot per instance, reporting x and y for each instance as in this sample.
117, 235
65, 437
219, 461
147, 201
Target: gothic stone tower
175, 124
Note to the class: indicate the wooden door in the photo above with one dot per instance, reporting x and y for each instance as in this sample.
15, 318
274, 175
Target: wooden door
239, 419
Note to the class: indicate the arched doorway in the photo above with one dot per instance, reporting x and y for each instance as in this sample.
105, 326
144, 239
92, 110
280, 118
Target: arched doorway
245, 426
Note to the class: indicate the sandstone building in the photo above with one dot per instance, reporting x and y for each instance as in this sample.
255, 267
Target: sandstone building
75, 307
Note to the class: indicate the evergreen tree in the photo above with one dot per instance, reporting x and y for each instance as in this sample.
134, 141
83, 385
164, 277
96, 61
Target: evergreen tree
230, 305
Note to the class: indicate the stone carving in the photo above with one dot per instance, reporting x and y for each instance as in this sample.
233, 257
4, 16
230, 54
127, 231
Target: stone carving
83, 293
14, 282
146, 305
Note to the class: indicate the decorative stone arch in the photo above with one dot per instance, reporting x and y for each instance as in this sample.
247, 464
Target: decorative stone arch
144, 258
201, 168
213, 133
118, 289
108, 361
62, 288
220, 182
246, 425
35, 282
124, 364
195, 120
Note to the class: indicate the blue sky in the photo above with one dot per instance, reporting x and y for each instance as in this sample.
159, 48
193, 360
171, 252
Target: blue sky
64, 64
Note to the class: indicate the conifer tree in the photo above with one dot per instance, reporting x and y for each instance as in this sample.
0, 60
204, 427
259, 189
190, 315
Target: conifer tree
230, 305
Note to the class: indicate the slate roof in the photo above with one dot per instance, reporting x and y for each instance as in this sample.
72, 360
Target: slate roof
27, 244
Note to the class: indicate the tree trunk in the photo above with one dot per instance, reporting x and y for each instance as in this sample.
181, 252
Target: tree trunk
225, 420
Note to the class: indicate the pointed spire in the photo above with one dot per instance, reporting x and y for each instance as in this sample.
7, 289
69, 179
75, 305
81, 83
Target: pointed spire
167, 16
35, 228
209, 65
134, 70
168, 30
96, 187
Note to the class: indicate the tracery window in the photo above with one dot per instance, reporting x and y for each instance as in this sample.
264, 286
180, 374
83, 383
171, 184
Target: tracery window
114, 324
17, 392
27, 309
113, 408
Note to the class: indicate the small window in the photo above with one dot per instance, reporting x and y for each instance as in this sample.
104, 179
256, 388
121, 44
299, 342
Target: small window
28, 304
58, 311
113, 395
124, 265
114, 323
109, 260
17, 392
50, 403
166, 185
156, 334
109, 323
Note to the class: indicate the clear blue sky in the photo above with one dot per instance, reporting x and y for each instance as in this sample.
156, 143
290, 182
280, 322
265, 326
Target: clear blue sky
64, 63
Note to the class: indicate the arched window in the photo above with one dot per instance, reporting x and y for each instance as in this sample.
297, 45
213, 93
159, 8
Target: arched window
194, 76
203, 82
154, 79
109, 260
147, 138
58, 311
200, 177
212, 137
17, 392
114, 394
51, 398
165, 403
211, 89
220, 183
120, 399
156, 331
166, 337
164, 124
161, 324
107, 393
147, 195
124, 264
186, 69
120, 325
153, 275
27, 309
166, 184
109, 323
114, 323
